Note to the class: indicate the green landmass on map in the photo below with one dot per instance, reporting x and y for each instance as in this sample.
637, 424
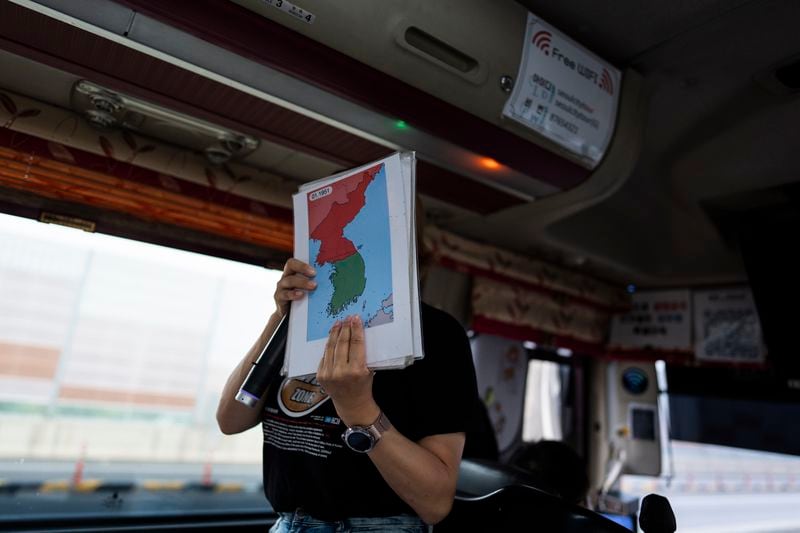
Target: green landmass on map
349, 280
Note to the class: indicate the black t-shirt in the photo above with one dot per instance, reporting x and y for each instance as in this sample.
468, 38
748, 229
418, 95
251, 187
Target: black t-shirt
306, 463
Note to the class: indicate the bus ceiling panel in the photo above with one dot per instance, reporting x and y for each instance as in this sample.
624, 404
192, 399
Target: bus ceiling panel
358, 117
138, 70
285, 50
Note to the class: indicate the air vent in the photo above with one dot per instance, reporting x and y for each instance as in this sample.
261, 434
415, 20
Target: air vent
433, 47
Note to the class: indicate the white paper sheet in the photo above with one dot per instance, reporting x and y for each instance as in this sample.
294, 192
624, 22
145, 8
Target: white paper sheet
389, 345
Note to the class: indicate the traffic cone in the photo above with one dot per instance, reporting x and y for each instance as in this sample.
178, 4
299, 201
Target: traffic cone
207, 474
77, 474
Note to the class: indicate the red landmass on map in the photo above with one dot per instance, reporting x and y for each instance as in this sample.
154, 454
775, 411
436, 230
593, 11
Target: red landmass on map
319, 208
330, 230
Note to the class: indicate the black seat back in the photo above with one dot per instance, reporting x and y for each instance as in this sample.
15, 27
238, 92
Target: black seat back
478, 477
656, 515
520, 508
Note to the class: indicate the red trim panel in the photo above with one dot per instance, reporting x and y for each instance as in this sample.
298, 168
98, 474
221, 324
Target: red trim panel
28, 165
96, 163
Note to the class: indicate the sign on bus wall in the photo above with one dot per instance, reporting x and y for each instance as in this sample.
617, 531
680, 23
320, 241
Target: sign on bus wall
657, 319
565, 93
727, 327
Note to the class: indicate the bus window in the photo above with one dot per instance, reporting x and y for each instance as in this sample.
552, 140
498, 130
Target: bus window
113, 354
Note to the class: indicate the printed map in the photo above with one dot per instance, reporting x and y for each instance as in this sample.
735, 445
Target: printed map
350, 247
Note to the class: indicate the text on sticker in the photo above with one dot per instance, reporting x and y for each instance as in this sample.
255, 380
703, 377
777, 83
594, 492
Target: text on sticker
321, 193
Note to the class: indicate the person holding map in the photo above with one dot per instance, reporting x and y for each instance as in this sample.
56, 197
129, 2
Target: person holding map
399, 466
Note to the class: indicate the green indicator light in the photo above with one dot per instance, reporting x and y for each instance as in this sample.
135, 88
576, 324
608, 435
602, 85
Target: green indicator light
401, 125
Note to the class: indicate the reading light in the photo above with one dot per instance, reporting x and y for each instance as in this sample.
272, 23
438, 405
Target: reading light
106, 109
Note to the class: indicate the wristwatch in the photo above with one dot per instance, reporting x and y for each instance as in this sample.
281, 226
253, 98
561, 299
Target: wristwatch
362, 439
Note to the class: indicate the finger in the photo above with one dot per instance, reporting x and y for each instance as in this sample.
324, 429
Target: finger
292, 288
325, 358
295, 266
288, 296
342, 348
292, 284
358, 349
323, 365
329, 355
297, 281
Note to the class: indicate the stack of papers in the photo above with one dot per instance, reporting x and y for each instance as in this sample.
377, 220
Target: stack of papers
357, 229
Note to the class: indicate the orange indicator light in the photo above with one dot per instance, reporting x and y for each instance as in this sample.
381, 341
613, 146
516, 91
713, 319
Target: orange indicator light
489, 163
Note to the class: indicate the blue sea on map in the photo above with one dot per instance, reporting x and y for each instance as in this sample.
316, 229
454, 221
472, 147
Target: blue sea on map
370, 233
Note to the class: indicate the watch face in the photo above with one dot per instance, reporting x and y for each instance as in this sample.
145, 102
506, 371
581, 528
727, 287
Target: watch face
359, 440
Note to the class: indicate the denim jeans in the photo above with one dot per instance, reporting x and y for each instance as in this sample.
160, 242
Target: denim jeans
299, 522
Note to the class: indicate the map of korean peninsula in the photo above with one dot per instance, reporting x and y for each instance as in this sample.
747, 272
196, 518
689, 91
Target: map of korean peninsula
350, 247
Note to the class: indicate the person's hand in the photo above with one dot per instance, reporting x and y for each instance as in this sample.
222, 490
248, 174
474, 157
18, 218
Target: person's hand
344, 375
293, 284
